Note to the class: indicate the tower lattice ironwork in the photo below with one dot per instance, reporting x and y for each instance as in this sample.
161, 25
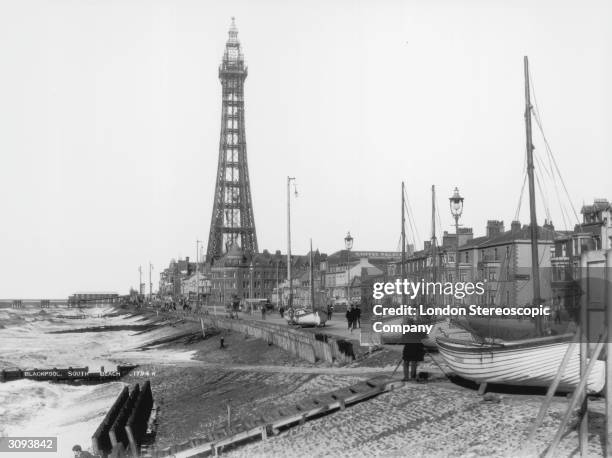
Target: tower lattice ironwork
232, 223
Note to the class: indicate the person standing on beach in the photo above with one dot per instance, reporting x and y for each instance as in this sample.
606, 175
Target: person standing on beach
412, 354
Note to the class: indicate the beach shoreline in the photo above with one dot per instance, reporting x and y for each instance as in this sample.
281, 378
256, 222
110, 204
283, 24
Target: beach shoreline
435, 418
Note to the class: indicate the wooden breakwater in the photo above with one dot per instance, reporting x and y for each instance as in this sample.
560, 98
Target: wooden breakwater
276, 419
124, 427
70, 374
308, 346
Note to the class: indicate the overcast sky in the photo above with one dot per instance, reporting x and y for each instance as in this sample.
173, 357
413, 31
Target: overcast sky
110, 119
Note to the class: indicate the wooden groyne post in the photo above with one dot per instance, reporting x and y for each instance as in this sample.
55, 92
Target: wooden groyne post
136, 426
100, 440
125, 425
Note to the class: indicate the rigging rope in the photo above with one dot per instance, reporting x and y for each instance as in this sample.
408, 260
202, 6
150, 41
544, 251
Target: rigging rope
538, 119
415, 231
542, 195
518, 207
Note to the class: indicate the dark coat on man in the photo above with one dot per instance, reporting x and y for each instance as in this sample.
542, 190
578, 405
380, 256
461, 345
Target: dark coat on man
413, 351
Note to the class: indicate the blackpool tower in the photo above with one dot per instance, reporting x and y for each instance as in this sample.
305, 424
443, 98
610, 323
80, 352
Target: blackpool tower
232, 224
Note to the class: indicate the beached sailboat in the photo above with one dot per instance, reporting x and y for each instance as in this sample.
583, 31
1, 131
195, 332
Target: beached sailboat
305, 317
528, 362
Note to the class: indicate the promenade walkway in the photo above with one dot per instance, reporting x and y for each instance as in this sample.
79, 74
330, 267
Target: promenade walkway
337, 326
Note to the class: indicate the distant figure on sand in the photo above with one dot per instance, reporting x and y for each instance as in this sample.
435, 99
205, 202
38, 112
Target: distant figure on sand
412, 354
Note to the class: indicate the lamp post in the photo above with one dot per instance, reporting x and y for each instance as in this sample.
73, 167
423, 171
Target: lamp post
140, 281
289, 180
456, 208
198, 257
251, 269
150, 284
348, 244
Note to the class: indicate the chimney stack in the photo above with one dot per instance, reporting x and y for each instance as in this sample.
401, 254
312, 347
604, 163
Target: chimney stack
494, 227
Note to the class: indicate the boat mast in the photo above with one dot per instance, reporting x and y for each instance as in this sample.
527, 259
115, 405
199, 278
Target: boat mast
434, 255
312, 288
403, 266
535, 273
290, 299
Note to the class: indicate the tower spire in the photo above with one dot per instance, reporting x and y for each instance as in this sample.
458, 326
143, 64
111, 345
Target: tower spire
233, 32
232, 224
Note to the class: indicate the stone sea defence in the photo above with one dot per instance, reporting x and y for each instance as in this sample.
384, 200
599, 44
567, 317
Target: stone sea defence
307, 346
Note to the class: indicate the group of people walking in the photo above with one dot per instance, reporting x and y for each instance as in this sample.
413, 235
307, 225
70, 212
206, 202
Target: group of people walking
353, 317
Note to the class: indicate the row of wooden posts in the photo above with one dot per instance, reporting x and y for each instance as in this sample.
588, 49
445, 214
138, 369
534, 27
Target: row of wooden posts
18, 303
124, 427
594, 329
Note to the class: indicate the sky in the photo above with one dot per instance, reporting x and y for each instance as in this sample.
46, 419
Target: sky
110, 118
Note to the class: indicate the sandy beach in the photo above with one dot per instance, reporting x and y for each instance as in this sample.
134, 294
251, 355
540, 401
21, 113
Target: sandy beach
434, 418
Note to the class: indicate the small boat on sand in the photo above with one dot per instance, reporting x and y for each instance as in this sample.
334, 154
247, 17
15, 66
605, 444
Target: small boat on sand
308, 317
304, 317
533, 361
529, 362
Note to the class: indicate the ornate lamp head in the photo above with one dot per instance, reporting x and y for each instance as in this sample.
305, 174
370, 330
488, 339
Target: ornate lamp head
456, 204
348, 241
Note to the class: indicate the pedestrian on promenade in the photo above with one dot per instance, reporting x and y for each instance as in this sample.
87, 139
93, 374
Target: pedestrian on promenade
412, 354
330, 309
281, 310
358, 316
349, 317
263, 311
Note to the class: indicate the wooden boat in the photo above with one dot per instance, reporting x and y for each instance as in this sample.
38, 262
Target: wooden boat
304, 317
529, 362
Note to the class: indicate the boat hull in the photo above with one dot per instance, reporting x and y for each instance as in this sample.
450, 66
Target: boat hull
531, 362
315, 318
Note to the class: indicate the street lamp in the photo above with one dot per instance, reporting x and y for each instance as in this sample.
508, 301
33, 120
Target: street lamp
251, 269
289, 279
348, 244
456, 208
150, 284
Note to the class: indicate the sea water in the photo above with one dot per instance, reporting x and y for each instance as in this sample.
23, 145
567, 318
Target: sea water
67, 411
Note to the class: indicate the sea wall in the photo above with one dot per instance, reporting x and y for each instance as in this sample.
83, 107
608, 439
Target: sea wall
311, 347
308, 346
